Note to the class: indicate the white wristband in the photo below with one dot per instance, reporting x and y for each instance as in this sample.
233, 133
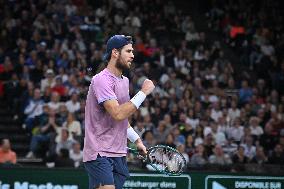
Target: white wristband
132, 135
138, 99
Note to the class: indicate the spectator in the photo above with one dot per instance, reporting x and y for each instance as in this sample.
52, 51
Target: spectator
161, 132
148, 122
189, 148
59, 87
178, 137
218, 136
73, 127
170, 140
209, 143
7, 155
64, 141
45, 136
148, 139
41, 119
73, 104
63, 159
33, 109
234, 112
62, 114
260, 157
236, 132
145, 109
63, 61
192, 119
230, 147
181, 149
255, 129
55, 101
199, 158
245, 93
250, 149
76, 154
139, 128
239, 157
168, 121
216, 113
219, 157
198, 136
277, 156
80, 114
223, 125
49, 80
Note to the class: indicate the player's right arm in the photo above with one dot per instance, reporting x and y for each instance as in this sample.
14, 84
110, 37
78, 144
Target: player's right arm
122, 111
119, 112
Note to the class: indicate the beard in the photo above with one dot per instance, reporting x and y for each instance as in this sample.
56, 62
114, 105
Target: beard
121, 64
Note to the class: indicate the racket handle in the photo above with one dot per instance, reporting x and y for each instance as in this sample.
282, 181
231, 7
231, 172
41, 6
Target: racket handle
136, 152
132, 150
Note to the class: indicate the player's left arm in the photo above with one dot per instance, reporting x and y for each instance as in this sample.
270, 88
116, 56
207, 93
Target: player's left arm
134, 137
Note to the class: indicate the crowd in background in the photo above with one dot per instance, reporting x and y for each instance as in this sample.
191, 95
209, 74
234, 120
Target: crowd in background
50, 50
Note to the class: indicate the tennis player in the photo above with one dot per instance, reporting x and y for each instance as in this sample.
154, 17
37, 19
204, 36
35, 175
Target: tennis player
108, 107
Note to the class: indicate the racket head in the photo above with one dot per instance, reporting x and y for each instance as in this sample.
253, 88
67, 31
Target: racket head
166, 160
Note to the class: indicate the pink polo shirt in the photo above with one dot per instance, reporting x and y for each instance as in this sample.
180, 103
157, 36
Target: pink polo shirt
103, 134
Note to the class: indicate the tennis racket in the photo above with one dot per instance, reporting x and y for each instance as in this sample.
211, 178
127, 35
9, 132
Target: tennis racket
164, 159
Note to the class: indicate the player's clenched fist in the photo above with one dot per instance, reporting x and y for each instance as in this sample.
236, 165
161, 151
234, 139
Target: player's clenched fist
147, 86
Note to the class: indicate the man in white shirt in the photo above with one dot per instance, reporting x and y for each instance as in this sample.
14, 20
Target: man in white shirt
54, 102
236, 132
76, 153
73, 104
255, 129
250, 149
216, 113
48, 81
219, 137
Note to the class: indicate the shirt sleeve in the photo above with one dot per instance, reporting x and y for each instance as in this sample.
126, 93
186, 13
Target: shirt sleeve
103, 86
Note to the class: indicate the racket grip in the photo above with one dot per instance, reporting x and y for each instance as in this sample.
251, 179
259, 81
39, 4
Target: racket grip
132, 150
136, 152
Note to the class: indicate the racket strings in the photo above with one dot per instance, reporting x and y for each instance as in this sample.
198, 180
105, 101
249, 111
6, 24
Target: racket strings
166, 160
